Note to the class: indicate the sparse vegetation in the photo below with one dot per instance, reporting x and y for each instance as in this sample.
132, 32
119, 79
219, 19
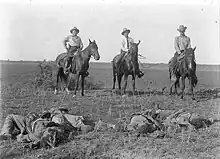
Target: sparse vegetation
30, 91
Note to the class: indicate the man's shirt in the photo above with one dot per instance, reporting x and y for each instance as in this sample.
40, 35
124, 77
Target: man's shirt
182, 43
125, 43
73, 41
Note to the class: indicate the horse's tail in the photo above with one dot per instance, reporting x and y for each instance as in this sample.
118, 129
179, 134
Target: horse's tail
60, 57
113, 67
194, 78
170, 74
178, 83
194, 81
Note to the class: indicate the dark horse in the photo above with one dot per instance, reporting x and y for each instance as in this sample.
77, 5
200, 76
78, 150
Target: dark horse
79, 66
186, 67
126, 67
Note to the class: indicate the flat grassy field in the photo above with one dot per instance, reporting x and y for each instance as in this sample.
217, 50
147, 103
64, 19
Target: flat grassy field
20, 95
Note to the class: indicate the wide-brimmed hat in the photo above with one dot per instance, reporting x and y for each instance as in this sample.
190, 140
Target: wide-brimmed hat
182, 28
74, 28
125, 30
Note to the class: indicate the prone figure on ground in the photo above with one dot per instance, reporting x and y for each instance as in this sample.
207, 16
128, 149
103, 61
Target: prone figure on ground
46, 130
167, 122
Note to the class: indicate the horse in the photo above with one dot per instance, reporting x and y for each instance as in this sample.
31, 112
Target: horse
125, 67
79, 66
185, 67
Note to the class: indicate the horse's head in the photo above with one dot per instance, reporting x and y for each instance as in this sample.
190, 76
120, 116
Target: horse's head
190, 50
94, 49
134, 48
190, 53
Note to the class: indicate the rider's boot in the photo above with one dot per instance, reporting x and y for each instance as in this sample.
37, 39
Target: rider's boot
140, 74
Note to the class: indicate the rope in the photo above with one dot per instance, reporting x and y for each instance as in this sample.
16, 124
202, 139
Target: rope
143, 57
142, 64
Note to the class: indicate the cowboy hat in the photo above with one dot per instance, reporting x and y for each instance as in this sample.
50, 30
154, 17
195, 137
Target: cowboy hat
74, 28
182, 28
125, 30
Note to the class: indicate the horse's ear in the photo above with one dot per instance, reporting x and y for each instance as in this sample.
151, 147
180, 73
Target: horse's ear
194, 48
94, 41
89, 41
138, 42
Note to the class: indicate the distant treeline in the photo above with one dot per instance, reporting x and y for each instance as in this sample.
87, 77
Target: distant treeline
148, 65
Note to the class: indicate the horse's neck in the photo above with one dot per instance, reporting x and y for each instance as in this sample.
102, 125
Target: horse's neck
86, 53
190, 54
132, 55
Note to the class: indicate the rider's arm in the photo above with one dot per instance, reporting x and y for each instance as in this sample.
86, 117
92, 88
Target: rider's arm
65, 40
176, 45
80, 44
123, 45
189, 43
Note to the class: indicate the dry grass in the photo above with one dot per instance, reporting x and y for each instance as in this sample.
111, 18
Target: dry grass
26, 95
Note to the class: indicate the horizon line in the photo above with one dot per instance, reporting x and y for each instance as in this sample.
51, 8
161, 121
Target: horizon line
95, 62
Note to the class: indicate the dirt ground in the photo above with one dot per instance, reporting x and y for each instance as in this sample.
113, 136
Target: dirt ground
20, 96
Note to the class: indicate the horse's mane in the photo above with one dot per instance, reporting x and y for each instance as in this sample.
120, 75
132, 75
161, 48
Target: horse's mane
190, 53
135, 51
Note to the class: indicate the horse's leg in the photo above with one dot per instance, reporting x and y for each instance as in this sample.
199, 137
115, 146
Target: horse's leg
76, 83
114, 80
133, 83
171, 82
183, 86
171, 86
82, 84
125, 83
119, 81
56, 87
176, 83
191, 86
66, 80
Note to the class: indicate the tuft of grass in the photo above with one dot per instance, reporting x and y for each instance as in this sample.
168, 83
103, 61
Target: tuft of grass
27, 95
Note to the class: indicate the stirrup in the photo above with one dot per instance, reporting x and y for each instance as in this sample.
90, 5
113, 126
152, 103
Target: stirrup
140, 74
86, 74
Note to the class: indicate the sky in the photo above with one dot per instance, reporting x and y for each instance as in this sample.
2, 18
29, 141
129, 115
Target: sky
35, 29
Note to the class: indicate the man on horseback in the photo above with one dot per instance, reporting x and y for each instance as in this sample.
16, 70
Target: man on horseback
181, 43
73, 44
125, 43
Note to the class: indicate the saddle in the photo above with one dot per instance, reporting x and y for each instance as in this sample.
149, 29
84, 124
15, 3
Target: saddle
72, 53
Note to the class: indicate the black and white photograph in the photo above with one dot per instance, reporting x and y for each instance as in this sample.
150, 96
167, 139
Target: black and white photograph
109, 79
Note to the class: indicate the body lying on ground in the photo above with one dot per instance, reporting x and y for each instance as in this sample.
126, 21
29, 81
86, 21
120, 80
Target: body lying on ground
165, 120
47, 130
56, 126
15, 125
